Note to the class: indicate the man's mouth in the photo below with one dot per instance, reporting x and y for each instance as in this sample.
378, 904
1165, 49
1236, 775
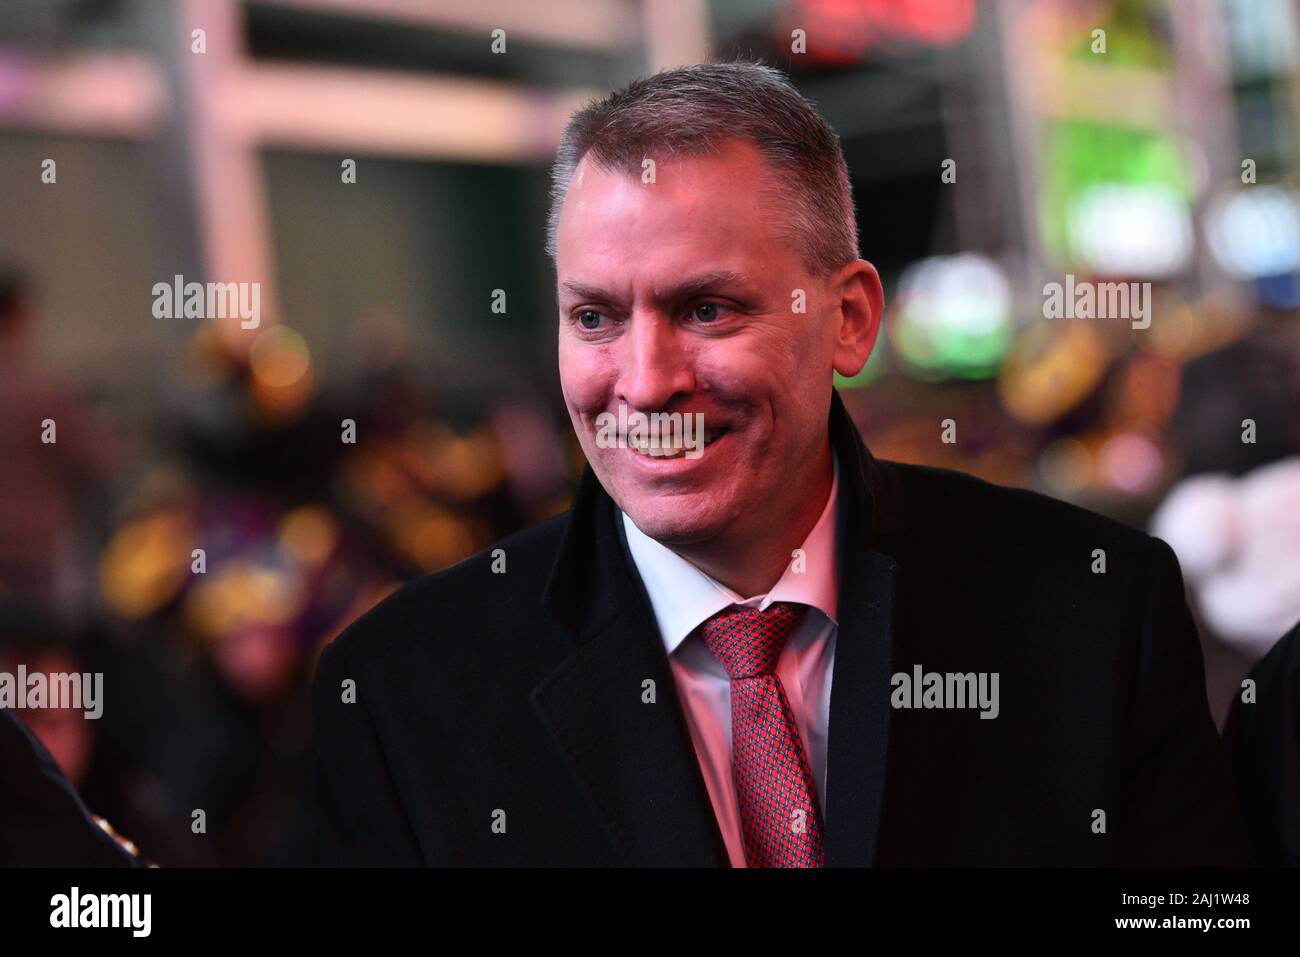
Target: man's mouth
670, 447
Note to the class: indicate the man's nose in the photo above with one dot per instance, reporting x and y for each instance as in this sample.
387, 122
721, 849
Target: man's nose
656, 367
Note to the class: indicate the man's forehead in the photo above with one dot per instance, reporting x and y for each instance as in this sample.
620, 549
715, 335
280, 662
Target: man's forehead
717, 213
715, 199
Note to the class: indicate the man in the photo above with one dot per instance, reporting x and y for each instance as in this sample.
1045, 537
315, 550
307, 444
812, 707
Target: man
756, 645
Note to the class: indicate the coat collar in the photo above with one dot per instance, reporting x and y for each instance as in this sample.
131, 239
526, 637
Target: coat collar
612, 704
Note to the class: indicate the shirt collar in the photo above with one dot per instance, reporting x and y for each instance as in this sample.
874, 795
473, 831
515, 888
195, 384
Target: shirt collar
682, 596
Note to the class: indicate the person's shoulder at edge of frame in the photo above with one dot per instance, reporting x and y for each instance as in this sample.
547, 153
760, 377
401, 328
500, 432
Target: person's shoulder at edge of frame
511, 570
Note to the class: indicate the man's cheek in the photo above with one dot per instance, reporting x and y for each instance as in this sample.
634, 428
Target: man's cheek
586, 384
576, 385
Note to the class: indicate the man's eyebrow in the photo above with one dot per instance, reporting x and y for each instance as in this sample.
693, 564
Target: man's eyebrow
580, 291
685, 289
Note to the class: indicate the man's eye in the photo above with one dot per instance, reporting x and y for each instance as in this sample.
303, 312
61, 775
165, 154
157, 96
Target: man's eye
706, 312
589, 319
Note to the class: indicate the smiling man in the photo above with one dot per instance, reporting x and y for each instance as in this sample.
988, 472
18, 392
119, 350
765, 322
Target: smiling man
709, 659
679, 295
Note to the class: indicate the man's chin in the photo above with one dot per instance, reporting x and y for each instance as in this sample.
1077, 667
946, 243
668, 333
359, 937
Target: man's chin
672, 512
681, 526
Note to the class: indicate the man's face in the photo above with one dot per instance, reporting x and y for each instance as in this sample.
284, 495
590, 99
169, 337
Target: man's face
679, 296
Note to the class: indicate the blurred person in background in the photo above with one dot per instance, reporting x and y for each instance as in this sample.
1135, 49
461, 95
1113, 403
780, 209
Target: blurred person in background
1238, 540
1234, 523
53, 453
1233, 518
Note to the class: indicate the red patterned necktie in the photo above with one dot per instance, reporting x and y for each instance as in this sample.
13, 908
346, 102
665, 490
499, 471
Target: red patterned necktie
779, 816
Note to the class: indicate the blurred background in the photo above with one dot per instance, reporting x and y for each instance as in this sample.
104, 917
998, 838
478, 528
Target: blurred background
993, 147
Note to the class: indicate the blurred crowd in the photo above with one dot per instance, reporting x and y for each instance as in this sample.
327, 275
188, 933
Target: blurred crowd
204, 591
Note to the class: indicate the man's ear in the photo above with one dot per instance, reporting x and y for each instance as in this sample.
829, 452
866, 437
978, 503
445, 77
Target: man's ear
862, 308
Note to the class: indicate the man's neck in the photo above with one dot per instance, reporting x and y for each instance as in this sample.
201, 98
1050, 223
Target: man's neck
752, 564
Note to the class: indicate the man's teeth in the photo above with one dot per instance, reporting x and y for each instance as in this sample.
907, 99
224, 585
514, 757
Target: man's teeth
667, 449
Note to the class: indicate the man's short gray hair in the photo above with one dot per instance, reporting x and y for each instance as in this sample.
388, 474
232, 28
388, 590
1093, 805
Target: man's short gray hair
693, 110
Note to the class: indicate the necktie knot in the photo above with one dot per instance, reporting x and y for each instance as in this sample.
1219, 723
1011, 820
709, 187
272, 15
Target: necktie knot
747, 641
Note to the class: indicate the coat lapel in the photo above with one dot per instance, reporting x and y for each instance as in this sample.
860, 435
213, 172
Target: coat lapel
858, 737
634, 759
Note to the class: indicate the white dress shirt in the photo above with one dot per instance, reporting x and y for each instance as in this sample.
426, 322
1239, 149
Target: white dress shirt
683, 597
